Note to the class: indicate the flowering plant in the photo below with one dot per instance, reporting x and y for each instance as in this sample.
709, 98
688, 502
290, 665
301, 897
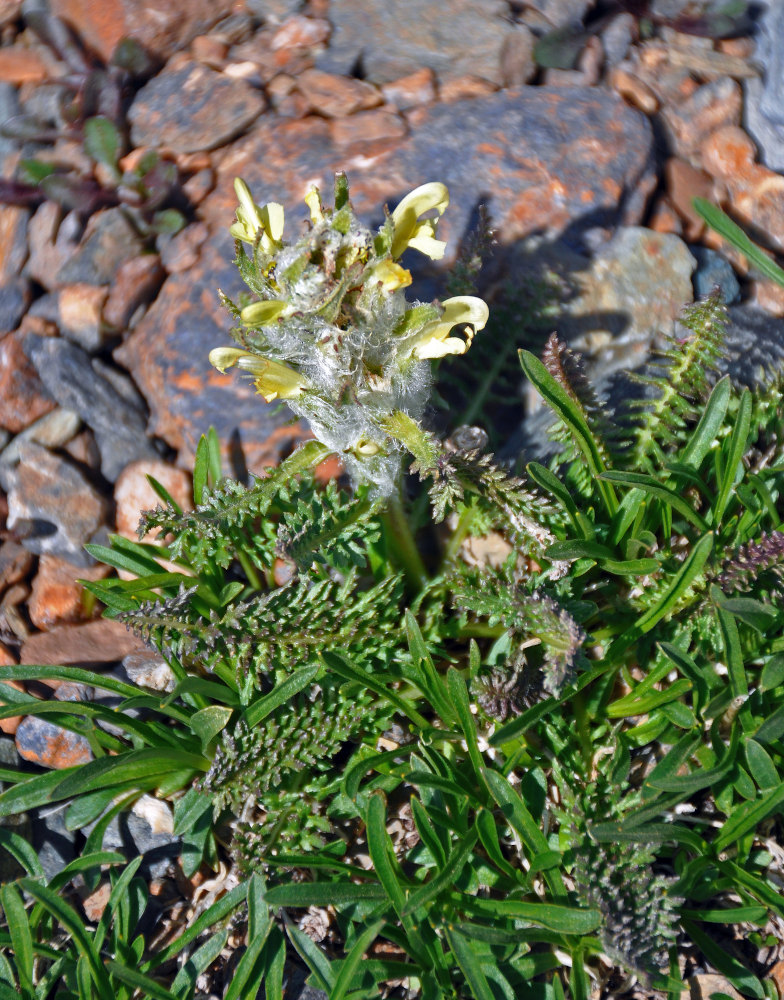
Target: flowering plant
331, 331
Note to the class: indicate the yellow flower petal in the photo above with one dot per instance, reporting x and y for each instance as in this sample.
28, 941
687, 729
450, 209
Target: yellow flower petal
405, 218
390, 275
251, 218
260, 313
434, 341
273, 379
313, 201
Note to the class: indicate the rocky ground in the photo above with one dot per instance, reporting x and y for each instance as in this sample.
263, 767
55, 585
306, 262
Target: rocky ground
585, 127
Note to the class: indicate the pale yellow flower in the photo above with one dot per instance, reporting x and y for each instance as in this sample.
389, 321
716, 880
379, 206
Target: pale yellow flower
433, 341
413, 231
273, 379
316, 209
253, 219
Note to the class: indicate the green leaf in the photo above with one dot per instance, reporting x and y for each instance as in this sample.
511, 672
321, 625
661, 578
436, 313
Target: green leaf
184, 984
211, 916
378, 681
560, 401
459, 697
444, 879
748, 816
102, 141
562, 919
281, 693
711, 421
654, 488
303, 894
17, 921
543, 477
568, 551
32, 792
735, 451
350, 963
144, 984
690, 569
469, 964
210, 721
634, 704
735, 236
22, 850
144, 766
740, 977
760, 616
73, 924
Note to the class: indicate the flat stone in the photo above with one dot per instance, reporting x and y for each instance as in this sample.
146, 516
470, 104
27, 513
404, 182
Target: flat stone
136, 282
755, 345
180, 252
334, 96
23, 397
14, 299
542, 160
43, 743
54, 844
627, 297
712, 106
380, 129
134, 494
412, 90
58, 597
161, 28
15, 563
80, 309
108, 240
298, 31
52, 241
99, 641
391, 38
22, 65
52, 506
714, 271
189, 107
53, 430
75, 382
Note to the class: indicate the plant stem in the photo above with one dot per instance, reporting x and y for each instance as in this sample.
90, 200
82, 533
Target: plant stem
405, 551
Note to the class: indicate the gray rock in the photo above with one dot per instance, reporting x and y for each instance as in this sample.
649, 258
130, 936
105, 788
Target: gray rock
764, 103
755, 343
274, 11
560, 13
53, 430
53, 842
51, 505
617, 38
623, 300
133, 835
119, 427
713, 270
9, 108
189, 108
391, 38
108, 240
14, 299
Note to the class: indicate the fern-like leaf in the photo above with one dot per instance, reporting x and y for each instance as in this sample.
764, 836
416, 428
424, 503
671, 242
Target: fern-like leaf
679, 382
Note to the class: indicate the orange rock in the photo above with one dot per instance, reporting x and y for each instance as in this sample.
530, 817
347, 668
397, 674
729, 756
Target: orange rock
57, 596
23, 397
411, 91
728, 152
136, 282
209, 50
43, 743
335, 96
20, 65
99, 641
685, 182
9, 725
768, 296
368, 127
664, 219
299, 31
133, 493
460, 88
633, 90
160, 26
712, 106
80, 307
